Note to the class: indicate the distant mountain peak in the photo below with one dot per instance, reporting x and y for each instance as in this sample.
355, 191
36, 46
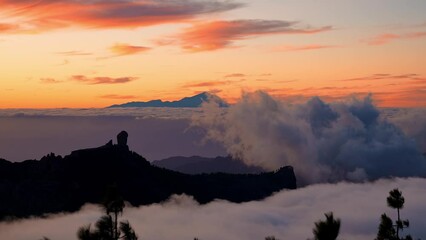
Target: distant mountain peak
186, 102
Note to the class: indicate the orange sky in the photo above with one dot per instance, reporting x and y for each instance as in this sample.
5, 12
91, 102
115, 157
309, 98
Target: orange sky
68, 53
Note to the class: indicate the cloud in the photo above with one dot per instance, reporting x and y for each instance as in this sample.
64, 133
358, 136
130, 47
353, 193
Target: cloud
7, 27
48, 15
411, 121
205, 84
209, 36
101, 80
121, 49
386, 76
212, 83
115, 96
302, 48
286, 215
323, 142
74, 53
390, 37
235, 75
50, 80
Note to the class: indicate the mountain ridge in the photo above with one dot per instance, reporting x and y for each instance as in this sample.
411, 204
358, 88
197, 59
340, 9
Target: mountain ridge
186, 102
200, 165
56, 184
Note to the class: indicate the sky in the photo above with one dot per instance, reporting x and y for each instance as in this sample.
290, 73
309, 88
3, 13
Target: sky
83, 54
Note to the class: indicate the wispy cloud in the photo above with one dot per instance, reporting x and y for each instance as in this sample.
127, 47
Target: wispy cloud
7, 27
42, 16
50, 80
74, 53
289, 48
235, 75
386, 76
101, 80
390, 37
209, 36
122, 49
205, 84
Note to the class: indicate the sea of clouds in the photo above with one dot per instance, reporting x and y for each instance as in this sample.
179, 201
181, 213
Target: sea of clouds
336, 142
286, 215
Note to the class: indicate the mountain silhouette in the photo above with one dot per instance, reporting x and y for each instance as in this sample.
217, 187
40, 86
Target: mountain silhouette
187, 102
56, 184
199, 165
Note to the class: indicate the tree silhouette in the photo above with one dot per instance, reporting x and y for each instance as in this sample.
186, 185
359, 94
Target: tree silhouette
396, 201
107, 226
328, 229
113, 204
127, 231
387, 230
271, 238
85, 233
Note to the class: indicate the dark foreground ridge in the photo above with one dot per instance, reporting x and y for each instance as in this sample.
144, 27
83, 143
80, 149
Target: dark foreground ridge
199, 165
64, 184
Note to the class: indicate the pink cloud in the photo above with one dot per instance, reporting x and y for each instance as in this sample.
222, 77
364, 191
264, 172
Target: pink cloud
216, 35
389, 37
39, 16
122, 49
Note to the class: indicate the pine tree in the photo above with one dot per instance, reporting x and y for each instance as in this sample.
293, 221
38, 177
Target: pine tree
387, 228
328, 229
107, 226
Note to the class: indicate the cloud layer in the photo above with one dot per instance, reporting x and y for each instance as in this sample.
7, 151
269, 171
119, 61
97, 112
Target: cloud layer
390, 37
121, 49
42, 16
286, 215
323, 142
215, 35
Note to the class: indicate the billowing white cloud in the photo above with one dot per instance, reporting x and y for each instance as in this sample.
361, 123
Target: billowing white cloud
323, 142
286, 215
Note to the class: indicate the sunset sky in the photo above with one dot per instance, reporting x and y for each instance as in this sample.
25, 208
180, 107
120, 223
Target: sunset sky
94, 53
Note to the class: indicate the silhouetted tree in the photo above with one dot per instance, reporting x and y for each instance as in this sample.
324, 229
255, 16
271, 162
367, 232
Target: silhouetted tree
396, 201
271, 238
85, 233
107, 226
113, 204
328, 229
127, 231
387, 230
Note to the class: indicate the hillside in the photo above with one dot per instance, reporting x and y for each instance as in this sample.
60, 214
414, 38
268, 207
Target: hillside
199, 165
63, 184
